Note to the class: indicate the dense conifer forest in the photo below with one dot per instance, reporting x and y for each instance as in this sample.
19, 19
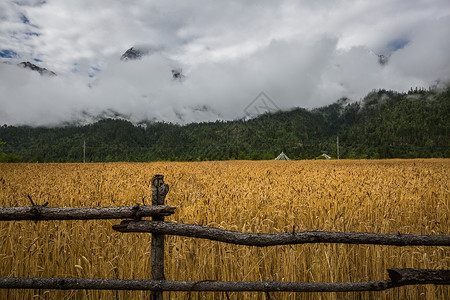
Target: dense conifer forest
385, 124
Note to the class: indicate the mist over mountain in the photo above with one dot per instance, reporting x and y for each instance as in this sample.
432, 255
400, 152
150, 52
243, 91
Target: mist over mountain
182, 63
144, 84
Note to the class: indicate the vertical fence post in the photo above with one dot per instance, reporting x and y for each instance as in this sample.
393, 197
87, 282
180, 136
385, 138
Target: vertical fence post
159, 192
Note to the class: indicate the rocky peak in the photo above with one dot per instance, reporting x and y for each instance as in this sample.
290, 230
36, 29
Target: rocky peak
383, 59
33, 67
131, 54
177, 74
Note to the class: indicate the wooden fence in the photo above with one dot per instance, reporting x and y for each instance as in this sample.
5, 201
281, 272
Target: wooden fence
159, 228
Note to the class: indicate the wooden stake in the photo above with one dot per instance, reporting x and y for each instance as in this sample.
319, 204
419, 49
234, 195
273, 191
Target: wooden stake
159, 192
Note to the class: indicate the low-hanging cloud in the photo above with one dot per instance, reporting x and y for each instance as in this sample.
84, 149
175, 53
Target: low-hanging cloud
226, 64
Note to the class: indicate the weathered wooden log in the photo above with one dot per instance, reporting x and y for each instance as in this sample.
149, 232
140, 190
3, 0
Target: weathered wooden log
166, 285
159, 192
40, 212
273, 239
419, 276
407, 277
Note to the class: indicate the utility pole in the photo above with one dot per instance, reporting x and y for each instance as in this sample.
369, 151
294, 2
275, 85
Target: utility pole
84, 151
337, 146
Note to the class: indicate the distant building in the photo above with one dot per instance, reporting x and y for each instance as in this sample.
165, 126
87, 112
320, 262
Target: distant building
326, 156
282, 156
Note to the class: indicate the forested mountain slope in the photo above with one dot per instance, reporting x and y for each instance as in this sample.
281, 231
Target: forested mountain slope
385, 124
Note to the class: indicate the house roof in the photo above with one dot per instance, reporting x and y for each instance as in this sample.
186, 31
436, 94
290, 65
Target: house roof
282, 156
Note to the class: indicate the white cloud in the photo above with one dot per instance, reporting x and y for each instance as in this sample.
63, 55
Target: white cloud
304, 53
427, 55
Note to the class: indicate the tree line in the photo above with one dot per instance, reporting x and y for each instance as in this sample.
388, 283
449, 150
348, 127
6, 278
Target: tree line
385, 124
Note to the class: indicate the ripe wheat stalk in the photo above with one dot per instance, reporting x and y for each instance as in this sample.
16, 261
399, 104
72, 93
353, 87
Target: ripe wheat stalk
392, 196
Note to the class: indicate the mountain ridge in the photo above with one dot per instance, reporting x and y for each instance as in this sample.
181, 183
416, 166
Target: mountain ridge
33, 67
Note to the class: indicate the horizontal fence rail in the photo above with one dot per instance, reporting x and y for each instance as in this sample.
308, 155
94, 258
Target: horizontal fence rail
43, 213
397, 278
288, 238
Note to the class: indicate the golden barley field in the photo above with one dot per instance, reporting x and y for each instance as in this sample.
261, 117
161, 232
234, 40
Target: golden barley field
385, 196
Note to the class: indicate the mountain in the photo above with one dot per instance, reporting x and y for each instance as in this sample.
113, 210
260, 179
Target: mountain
33, 67
385, 124
136, 53
133, 54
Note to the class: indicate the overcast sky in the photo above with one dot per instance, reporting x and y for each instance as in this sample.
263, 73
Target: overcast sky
299, 53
